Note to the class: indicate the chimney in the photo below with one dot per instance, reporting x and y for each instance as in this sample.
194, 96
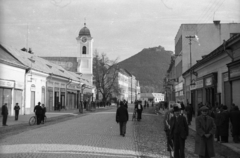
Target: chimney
216, 22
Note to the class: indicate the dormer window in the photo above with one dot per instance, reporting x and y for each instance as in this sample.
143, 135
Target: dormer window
49, 66
33, 61
84, 50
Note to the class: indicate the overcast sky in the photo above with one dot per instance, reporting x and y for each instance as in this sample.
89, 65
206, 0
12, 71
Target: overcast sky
120, 28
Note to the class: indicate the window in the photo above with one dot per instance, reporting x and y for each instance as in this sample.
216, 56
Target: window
84, 50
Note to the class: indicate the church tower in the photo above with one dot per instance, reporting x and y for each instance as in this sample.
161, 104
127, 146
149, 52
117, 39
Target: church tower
85, 53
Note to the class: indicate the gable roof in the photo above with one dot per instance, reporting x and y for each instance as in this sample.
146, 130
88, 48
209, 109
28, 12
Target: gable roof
7, 58
39, 64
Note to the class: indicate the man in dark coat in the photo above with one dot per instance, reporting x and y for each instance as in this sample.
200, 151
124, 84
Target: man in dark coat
189, 113
4, 114
122, 118
38, 113
139, 108
205, 130
234, 118
224, 125
178, 132
16, 109
43, 113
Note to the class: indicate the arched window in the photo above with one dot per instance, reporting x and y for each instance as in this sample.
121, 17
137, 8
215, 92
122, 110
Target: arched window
84, 50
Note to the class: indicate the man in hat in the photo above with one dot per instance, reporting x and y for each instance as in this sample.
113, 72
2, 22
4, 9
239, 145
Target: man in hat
205, 130
178, 132
4, 114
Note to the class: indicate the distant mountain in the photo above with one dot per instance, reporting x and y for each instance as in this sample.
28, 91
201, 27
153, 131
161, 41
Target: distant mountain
149, 67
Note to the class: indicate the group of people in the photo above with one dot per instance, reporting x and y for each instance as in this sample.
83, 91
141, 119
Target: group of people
176, 129
40, 112
211, 122
5, 113
226, 120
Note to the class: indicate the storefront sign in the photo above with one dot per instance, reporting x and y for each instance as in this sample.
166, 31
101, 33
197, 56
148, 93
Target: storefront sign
63, 85
192, 87
225, 77
5, 83
50, 84
179, 87
235, 72
19, 85
208, 81
33, 88
56, 84
71, 86
199, 84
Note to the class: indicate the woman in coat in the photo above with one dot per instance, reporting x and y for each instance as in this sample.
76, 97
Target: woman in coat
205, 130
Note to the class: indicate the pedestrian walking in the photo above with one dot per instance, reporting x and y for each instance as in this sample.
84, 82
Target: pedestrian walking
166, 121
205, 130
16, 109
4, 114
139, 108
43, 113
38, 113
122, 118
178, 132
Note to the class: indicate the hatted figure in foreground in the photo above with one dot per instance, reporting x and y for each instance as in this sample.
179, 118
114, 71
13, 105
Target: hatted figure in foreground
122, 118
178, 131
205, 130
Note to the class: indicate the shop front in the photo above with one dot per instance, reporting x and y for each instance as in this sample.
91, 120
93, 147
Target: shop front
71, 96
196, 94
234, 78
211, 96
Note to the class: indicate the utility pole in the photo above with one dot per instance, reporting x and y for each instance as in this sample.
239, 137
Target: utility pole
190, 43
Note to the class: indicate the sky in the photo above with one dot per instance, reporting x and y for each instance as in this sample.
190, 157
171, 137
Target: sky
120, 28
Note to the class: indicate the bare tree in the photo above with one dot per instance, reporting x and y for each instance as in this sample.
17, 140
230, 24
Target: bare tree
105, 72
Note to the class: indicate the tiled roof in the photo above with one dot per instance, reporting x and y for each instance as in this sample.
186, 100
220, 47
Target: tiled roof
39, 64
8, 59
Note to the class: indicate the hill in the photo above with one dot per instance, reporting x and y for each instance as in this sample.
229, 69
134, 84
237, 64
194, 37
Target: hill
149, 67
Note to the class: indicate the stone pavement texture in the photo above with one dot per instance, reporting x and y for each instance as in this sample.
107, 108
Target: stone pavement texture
93, 135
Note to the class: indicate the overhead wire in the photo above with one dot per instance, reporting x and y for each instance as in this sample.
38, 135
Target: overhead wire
210, 14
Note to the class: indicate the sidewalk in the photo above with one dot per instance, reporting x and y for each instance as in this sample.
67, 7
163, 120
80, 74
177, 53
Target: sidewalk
23, 119
234, 146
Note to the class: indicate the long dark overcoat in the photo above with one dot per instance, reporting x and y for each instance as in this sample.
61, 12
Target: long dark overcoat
202, 143
122, 114
235, 120
224, 125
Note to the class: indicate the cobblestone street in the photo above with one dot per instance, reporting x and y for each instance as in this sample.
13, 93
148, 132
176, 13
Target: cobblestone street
95, 135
